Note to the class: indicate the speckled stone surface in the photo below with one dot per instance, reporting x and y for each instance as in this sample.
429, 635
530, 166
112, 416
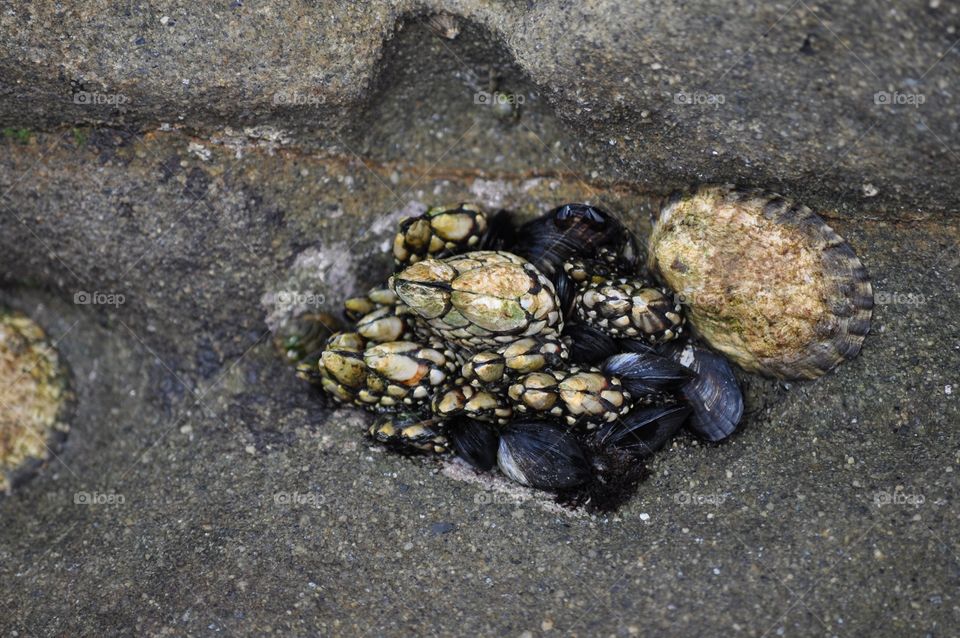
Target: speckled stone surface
850, 102
223, 497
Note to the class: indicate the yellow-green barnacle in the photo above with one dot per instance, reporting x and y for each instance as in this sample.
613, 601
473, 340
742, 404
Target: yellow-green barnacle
356, 307
383, 296
441, 230
423, 438
471, 402
588, 271
403, 372
484, 368
424, 288
412, 241
591, 396
341, 368
505, 298
334, 389
481, 299
352, 341
529, 354
344, 364
382, 325
309, 370
384, 428
536, 392
408, 431
460, 226
534, 353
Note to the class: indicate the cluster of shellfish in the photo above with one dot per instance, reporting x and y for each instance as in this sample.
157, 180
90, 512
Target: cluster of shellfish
552, 350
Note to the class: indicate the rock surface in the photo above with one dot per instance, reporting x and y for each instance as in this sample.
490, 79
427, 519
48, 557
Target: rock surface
849, 103
265, 152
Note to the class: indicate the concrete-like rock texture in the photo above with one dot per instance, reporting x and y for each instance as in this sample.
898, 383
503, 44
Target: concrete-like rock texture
849, 102
196, 162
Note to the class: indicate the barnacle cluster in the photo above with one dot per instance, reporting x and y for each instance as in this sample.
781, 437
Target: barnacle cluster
549, 350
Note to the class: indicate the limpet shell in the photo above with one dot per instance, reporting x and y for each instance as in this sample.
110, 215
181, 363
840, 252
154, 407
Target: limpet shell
763, 280
32, 394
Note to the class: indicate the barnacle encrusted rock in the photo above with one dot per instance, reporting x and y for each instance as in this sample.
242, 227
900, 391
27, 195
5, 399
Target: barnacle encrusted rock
32, 390
764, 280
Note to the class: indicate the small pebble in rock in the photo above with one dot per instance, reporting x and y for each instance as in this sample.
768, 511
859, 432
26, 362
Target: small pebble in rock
442, 528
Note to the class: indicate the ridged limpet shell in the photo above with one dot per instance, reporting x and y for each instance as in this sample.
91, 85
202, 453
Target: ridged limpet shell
763, 280
32, 394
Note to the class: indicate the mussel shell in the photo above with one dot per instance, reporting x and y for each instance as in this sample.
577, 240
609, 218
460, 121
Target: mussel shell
645, 430
566, 290
501, 232
475, 442
572, 230
714, 394
634, 345
588, 345
541, 455
646, 372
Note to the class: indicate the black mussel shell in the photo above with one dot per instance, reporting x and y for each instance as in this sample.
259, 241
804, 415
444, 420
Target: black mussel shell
644, 430
635, 345
646, 373
714, 393
566, 290
572, 230
542, 455
475, 442
500, 234
588, 345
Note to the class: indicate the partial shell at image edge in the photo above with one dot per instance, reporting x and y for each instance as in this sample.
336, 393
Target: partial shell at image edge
33, 388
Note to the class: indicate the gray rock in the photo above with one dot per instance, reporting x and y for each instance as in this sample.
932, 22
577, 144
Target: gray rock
251, 505
847, 105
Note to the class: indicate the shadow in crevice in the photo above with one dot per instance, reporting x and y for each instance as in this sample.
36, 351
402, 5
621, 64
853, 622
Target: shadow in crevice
459, 102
